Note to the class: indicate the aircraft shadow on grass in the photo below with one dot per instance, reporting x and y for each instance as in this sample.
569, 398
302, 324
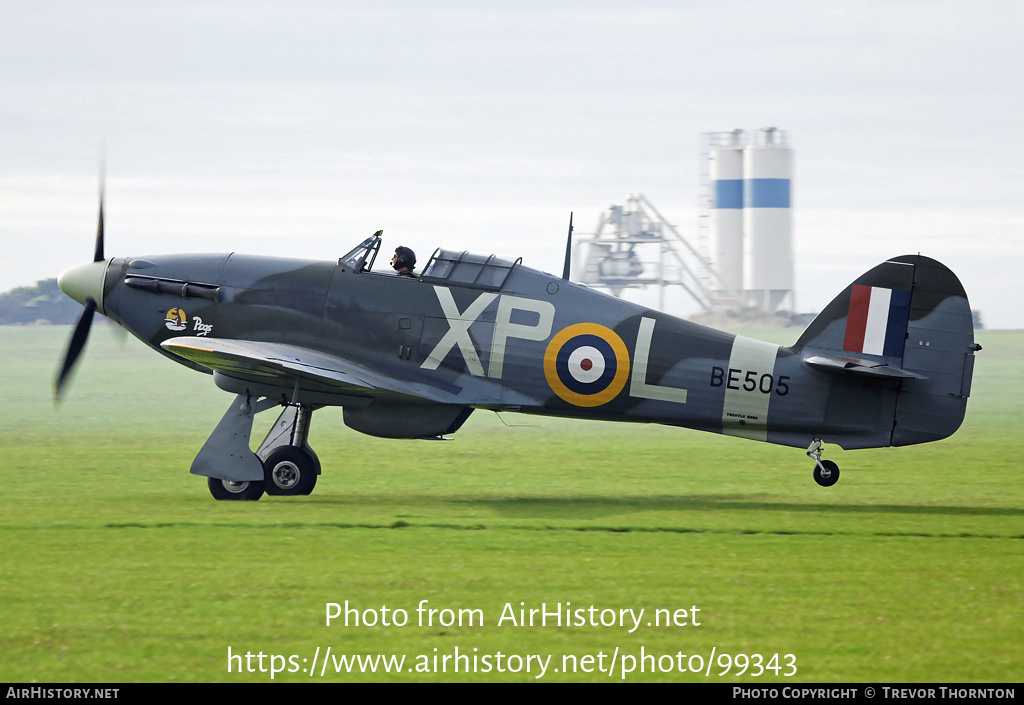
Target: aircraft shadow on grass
588, 507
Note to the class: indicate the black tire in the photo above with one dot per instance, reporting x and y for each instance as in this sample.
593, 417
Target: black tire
239, 491
289, 471
829, 477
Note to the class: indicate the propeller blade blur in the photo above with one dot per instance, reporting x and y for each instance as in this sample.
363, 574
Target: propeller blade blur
98, 256
75, 347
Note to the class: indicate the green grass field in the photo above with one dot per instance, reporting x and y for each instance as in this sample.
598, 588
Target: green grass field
116, 564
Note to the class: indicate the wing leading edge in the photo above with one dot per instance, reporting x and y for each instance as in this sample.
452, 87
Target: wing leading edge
282, 365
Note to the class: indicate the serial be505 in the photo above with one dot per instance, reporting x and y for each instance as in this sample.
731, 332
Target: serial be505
887, 363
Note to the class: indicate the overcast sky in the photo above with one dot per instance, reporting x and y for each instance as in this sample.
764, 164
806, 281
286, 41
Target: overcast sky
298, 128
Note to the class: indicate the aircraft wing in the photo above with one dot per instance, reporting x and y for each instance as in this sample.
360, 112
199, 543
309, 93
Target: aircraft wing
281, 365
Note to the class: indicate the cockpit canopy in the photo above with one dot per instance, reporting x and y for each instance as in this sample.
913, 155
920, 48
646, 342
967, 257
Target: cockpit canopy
361, 257
485, 271
482, 271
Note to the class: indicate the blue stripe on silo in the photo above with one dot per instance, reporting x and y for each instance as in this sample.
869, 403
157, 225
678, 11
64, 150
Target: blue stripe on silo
766, 193
728, 193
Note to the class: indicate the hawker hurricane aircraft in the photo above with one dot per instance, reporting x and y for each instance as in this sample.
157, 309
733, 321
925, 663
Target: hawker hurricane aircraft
887, 363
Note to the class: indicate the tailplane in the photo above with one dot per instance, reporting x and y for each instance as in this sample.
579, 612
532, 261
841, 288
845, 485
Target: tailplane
906, 324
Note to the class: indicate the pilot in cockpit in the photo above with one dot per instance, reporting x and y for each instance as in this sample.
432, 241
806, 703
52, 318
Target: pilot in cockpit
404, 261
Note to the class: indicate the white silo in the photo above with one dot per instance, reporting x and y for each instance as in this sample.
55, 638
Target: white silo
767, 219
725, 156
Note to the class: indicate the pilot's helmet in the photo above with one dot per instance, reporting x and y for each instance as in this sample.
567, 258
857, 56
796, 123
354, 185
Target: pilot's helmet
405, 258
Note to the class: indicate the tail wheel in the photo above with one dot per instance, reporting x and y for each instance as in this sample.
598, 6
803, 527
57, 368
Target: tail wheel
827, 474
229, 489
289, 471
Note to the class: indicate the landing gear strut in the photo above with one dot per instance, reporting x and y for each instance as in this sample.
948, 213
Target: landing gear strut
283, 465
826, 472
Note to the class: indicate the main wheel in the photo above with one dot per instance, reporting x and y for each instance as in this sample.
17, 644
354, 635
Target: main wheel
289, 471
827, 475
228, 489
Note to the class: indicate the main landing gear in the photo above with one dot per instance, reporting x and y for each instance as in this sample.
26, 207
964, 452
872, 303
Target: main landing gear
284, 465
229, 489
826, 472
289, 471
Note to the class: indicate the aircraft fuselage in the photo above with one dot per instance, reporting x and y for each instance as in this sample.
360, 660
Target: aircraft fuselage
537, 344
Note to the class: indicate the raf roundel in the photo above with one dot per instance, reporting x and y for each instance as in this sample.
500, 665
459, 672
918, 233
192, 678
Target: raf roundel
586, 364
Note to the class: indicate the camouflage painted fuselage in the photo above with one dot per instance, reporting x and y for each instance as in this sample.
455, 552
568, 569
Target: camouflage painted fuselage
428, 350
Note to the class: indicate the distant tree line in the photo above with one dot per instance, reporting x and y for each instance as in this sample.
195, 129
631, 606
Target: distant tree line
43, 303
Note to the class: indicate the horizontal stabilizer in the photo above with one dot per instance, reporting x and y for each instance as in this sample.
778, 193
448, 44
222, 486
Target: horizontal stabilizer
860, 366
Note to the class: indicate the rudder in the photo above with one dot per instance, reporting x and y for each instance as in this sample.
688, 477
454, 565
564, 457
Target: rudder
940, 347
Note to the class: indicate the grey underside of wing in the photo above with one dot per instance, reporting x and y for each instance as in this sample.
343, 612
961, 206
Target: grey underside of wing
282, 364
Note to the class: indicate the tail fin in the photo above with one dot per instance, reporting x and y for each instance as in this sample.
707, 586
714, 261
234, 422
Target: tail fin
907, 322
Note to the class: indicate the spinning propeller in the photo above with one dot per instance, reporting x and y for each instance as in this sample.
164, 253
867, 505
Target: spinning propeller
83, 283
